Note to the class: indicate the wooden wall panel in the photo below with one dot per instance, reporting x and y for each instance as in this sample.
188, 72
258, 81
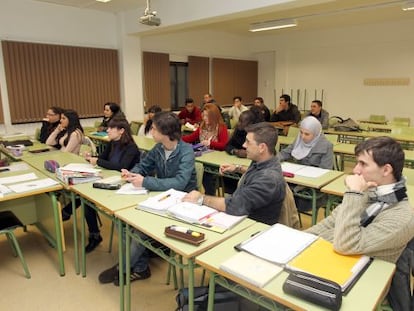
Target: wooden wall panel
198, 77
232, 77
157, 80
42, 75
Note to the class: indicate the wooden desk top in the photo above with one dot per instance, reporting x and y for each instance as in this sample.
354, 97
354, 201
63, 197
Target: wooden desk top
154, 225
316, 183
365, 294
109, 200
144, 143
216, 158
14, 195
338, 188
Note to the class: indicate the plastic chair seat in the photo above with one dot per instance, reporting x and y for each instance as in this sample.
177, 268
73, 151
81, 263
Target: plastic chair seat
8, 223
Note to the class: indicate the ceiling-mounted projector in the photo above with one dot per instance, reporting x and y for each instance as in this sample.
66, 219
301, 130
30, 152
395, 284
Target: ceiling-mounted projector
150, 20
150, 17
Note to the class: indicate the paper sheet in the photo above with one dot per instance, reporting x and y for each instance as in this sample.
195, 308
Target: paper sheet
129, 188
17, 178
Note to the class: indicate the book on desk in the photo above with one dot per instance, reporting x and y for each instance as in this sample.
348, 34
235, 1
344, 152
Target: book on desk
169, 203
320, 259
282, 247
77, 173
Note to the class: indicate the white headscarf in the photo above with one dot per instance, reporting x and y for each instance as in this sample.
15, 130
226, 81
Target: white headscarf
300, 148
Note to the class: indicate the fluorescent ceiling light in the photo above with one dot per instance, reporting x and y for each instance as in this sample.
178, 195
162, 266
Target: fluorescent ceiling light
408, 6
276, 24
104, 1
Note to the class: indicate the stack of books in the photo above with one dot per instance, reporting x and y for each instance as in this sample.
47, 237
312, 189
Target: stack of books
77, 173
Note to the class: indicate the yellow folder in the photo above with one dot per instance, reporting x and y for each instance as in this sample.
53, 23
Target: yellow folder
322, 260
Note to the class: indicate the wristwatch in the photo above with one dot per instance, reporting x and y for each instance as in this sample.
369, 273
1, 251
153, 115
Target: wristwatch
200, 200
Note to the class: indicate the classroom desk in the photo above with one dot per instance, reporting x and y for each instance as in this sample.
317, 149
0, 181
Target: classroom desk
144, 143
106, 202
342, 150
153, 226
406, 140
337, 188
375, 127
27, 151
384, 122
38, 207
99, 141
63, 158
314, 185
367, 293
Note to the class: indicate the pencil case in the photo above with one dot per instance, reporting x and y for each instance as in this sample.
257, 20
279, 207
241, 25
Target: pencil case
314, 289
184, 234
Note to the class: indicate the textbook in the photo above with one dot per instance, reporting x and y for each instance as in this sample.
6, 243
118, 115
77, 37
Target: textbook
169, 203
278, 244
320, 259
250, 268
77, 173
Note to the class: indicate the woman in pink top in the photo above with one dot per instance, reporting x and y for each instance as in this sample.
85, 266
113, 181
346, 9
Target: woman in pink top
68, 135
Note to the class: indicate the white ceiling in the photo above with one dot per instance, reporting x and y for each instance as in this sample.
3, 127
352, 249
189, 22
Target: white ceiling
341, 13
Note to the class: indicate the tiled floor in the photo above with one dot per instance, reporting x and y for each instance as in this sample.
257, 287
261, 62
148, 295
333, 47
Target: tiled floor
46, 290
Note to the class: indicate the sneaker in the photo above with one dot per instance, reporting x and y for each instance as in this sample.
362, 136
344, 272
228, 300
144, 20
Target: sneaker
109, 275
135, 276
93, 243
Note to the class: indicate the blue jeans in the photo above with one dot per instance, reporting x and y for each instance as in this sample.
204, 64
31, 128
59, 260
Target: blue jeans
139, 254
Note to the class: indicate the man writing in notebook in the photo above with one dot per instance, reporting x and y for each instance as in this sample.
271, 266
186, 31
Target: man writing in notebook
375, 217
261, 190
172, 161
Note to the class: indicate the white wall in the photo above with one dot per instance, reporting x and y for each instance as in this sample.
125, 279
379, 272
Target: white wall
338, 60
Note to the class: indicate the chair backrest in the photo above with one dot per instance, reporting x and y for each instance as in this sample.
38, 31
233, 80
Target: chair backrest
333, 138
199, 167
377, 118
401, 121
400, 295
90, 146
293, 131
289, 214
135, 125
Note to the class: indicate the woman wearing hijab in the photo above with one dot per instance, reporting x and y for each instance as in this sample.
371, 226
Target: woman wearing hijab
310, 146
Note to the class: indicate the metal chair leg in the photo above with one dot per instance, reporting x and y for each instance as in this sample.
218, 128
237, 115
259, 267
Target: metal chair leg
12, 237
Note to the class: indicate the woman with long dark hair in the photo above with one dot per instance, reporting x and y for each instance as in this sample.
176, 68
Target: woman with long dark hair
121, 152
68, 135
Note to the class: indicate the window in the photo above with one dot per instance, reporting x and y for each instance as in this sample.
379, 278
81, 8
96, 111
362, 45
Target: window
179, 84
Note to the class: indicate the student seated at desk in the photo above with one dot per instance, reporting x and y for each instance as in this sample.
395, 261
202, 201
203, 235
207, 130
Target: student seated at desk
50, 122
309, 148
286, 111
110, 110
68, 135
190, 113
319, 113
213, 134
375, 217
121, 152
237, 108
236, 142
145, 129
261, 189
172, 160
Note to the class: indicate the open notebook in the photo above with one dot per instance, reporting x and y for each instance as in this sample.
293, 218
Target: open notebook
278, 244
169, 203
